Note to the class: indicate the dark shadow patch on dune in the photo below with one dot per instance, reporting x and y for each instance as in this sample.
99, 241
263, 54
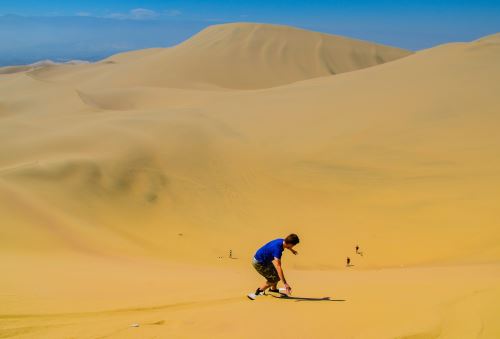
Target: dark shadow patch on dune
159, 322
308, 298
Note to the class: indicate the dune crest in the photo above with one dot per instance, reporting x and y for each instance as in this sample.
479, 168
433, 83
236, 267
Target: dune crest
240, 56
494, 38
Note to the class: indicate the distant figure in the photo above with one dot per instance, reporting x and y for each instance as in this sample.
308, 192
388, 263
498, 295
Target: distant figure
348, 262
357, 249
231, 254
267, 262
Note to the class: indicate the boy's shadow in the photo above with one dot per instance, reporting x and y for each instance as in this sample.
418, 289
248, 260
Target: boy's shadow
307, 299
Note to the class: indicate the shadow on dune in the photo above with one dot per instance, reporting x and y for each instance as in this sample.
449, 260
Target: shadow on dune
309, 299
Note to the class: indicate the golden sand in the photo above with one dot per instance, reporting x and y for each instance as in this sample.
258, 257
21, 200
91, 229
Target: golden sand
125, 183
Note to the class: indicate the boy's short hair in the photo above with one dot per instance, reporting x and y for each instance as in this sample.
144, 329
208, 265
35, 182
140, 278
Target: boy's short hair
292, 239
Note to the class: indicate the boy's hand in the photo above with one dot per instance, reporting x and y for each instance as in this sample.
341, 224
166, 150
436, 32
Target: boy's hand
288, 289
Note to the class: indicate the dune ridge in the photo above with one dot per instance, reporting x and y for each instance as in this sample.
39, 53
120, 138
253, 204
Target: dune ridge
241, 56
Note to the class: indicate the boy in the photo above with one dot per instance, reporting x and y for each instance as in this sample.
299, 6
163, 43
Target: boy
267, 261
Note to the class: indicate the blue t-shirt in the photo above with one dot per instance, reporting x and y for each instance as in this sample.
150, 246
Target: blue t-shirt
269, 251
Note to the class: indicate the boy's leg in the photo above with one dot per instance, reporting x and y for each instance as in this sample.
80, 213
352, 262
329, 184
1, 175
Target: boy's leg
260, 290
265, 286
269, 272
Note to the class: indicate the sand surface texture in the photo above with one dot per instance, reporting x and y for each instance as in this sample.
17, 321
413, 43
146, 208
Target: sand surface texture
125, 183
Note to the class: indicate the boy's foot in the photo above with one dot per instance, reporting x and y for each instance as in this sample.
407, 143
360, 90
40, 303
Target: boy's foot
252, 296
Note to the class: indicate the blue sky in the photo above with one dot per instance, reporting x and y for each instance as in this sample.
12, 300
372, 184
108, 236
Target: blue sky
230, 9
117, 25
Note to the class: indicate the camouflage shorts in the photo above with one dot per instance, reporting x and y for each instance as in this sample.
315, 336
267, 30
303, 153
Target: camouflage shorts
268, 271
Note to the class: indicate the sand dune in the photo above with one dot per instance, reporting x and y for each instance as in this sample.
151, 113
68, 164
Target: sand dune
493, 38
161, 161
241, 56
38, 65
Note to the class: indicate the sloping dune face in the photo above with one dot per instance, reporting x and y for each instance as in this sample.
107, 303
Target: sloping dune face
396, 156
124, 184
245, 56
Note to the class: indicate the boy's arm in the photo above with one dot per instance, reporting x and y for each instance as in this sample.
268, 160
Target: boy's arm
279, 269
277, 264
